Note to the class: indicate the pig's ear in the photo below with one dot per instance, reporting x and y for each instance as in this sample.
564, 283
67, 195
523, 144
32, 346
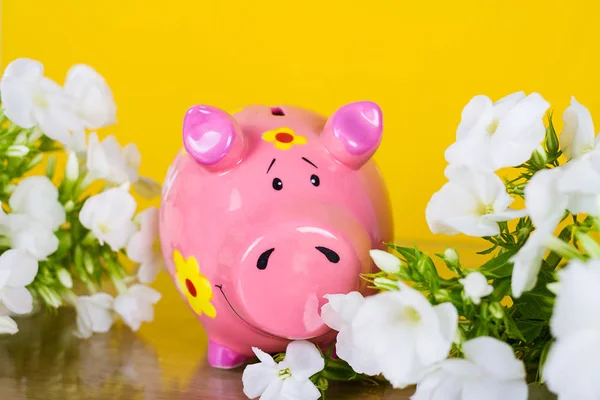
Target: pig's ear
353, 133
212, 138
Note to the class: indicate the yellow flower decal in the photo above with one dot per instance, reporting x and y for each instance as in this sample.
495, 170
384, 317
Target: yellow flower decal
194, 285
283, 138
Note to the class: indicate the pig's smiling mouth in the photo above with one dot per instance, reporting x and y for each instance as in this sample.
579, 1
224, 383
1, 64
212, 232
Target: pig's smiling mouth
252, 326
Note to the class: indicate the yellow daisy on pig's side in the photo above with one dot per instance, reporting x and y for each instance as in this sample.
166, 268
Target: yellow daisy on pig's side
283, 138
195, 286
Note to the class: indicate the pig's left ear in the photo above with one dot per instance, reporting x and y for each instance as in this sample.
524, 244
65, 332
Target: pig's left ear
353, 133
213, 138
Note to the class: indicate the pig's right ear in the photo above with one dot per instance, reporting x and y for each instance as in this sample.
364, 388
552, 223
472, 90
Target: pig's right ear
213, 138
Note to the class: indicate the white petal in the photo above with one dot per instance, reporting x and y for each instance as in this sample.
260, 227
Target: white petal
495, 357
543, 199
385, 261
299, 389
273, 391
448, 320
492, 389
149, 269
583, 204
91, 94
528, 261
505, 104
24, 68
303, 359
37, 197
341, 309
264, 357
451, 210
17, 300
520, 132
84, 323
472, 151
31, 235
582, 175
256, 378
572, 365
146, 293
97, 160
578, 133
23, 267
8, 326
578, 291
475, 116
18, 102
118, 237
507, 215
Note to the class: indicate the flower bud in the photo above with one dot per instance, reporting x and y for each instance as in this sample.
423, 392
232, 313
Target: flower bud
88, 263
441, 295
65, 278
551, 140
17, 150
496, 310
385, 283
385, 261
34, 161
50, 297
72, 170
21, 138
539, 158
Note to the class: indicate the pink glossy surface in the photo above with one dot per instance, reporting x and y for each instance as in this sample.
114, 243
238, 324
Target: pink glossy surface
270, 255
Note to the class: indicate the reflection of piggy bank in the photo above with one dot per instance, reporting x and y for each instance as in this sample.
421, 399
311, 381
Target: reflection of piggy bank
265, 212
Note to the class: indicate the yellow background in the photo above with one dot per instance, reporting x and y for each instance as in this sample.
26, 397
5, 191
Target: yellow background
420, 60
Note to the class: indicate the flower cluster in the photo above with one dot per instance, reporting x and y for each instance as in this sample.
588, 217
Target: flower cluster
528, 314
60, 238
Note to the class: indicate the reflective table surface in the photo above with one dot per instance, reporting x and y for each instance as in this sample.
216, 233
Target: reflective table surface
165, 359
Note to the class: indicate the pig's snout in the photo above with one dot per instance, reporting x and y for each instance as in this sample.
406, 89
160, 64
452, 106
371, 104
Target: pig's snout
279, 284
263, 259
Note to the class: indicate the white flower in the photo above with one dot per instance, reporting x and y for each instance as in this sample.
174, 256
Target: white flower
571, 369
92, 97
109, 216
581, 177
17, 270
338, 314
8, 325
144, 246
137, 305
403, 333
29, 99
489, 371
385, 261
491, 136
287, 380
37, 197
470, 203
577, 136
94, 314
545, 205
107, 160
476, 286
29, 234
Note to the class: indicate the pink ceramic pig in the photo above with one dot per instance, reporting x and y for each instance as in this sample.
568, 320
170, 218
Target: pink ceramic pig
264, 212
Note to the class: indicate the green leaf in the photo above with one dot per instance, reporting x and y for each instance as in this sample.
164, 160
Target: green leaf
410, 254
531, 329
488, 251
512, 328
499, 266
501, 289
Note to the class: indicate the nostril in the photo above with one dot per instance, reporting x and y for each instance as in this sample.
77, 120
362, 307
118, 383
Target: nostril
263, 260
331, 255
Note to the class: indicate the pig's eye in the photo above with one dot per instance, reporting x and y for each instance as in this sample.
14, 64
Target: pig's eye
277, 184
315, 180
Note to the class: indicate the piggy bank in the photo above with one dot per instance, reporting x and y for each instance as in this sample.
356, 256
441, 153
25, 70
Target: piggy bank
266, 210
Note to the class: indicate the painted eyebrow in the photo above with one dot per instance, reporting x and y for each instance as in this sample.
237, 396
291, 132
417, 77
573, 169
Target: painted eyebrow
308, 161
272, 162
